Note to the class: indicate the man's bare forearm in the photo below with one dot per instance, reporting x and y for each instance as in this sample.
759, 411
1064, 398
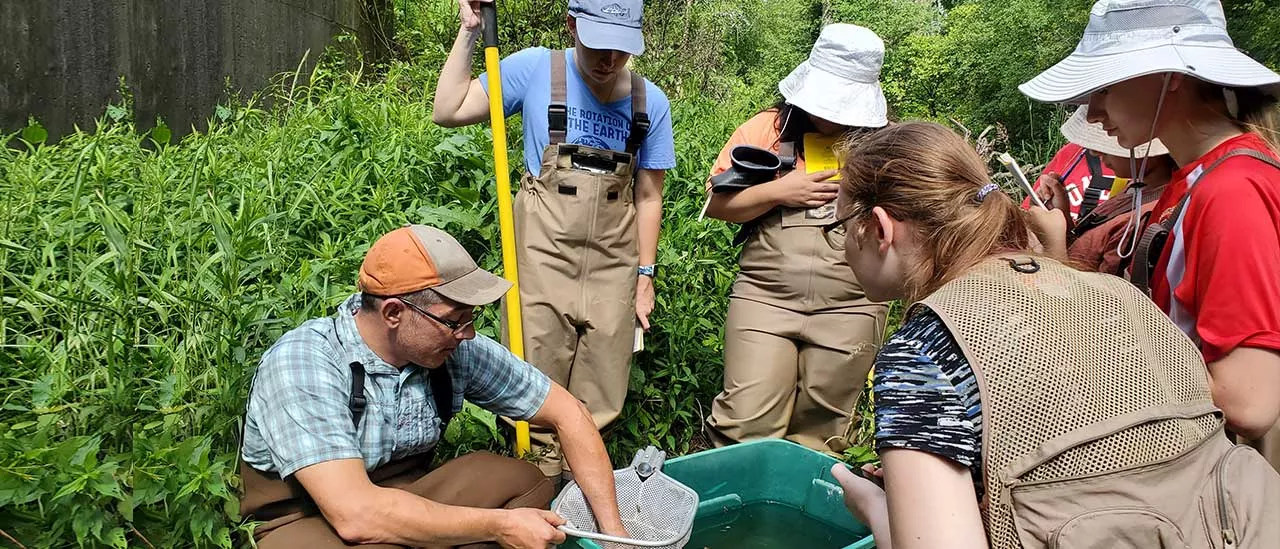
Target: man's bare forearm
391, 515
589, 460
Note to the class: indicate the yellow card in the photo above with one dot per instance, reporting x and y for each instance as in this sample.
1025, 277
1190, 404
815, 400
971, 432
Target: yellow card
819, 154
1118, 186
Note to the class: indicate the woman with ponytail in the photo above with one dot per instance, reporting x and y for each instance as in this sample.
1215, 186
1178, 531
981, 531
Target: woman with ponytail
993, 429
1209, 252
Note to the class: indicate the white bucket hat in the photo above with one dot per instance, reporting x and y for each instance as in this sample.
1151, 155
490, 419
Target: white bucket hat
1080, 131
840, 82
1126, 39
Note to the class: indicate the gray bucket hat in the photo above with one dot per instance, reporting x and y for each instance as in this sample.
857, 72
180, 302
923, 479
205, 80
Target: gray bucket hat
1126, 39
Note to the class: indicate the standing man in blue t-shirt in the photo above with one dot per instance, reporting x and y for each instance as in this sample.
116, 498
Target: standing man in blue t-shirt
597, 144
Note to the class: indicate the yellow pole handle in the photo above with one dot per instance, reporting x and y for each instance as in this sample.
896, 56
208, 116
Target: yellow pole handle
506, 219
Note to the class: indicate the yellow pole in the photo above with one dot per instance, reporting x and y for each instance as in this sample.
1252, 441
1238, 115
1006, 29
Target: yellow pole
506, 220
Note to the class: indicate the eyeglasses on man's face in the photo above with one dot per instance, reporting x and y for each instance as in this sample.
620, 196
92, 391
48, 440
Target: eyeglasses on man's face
454, 326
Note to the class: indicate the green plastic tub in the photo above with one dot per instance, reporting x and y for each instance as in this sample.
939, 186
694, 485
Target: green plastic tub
734, 481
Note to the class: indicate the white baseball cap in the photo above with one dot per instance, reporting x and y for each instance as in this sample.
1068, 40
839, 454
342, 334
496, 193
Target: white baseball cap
1126, 39
840, 81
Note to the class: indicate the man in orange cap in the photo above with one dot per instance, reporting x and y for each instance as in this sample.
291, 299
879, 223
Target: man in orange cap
345, 412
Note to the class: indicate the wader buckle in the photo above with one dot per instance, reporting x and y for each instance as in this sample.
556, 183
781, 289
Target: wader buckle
558, 117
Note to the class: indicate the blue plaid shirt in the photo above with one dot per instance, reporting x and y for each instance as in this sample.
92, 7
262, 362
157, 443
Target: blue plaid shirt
299, 410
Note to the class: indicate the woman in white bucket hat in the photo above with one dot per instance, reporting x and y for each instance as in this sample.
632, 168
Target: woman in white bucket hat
800, 335
1091, 242
1168, 69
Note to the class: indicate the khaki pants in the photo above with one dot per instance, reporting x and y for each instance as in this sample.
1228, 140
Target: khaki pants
480, 480
790, 374
576, 236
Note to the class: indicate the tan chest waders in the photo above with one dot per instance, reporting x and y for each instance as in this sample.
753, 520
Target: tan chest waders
1098, 442
800, 335
577, 257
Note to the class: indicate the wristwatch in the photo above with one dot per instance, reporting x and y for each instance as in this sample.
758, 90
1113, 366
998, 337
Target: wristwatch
646, 270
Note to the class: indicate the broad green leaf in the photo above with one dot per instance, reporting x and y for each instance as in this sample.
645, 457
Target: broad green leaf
82, 523
34, 133
125, 507
42, 391
117, 113
161, 133
115, 538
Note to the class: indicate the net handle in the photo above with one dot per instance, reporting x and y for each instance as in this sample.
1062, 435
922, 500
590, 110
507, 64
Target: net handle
569, 529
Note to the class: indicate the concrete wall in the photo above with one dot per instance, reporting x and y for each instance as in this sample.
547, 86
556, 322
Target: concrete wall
61, 60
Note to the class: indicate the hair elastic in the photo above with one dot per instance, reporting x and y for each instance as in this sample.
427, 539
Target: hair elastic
986, 190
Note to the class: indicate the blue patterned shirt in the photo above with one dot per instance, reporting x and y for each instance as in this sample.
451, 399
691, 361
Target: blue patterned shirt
299, 410
926, 395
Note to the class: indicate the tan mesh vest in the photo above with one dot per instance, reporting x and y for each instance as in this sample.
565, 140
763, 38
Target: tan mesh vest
1095, 441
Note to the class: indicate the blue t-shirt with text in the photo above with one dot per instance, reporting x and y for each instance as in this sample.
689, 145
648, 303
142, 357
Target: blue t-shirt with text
526, 88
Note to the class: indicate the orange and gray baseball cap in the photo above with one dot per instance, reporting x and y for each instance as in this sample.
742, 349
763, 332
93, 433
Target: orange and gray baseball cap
418, 257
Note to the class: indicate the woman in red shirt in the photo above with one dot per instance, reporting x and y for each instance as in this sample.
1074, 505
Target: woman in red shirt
1166, 69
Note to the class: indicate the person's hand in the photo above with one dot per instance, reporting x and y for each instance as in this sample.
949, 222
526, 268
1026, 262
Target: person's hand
644, 300
806, 190
1050, 228
469, 14
864, 498
618, 530
529, 528
1050, 189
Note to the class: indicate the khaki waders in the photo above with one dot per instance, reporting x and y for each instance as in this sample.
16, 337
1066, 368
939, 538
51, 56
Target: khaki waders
577, 255
800, 336
1098, 442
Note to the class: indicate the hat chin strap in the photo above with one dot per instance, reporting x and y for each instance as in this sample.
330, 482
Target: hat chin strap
1133, 227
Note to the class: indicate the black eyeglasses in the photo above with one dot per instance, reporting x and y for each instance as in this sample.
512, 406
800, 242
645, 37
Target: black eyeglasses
835, 232
453, 325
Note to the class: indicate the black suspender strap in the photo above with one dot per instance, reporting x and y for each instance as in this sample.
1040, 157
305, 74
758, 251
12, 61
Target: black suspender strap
639, 115
440, 379
442, 393
358, 401
558, 110
1098, 184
